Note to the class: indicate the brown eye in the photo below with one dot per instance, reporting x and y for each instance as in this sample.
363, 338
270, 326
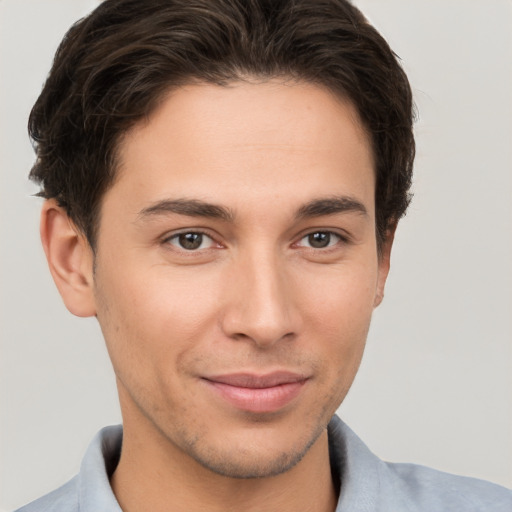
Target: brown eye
320, 240
191, 241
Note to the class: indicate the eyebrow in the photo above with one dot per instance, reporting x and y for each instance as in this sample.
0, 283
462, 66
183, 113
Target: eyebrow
331, 206
197, 208
189, 207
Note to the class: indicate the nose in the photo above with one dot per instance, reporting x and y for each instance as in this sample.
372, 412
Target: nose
261, 304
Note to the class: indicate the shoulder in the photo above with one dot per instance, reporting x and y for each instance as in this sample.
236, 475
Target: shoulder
369, 484
435, 490
63, 499
90, 490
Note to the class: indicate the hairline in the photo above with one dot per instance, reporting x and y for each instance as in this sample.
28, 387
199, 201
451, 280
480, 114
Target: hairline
116, 162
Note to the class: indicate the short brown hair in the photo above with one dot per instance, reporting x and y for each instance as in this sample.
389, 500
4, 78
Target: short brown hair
114, 66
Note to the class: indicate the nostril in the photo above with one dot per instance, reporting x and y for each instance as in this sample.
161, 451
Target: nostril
263, 338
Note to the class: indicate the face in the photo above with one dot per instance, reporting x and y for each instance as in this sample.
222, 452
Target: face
237, 270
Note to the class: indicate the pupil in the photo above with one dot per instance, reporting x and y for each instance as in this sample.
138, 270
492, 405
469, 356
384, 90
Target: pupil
191, 241
319, 240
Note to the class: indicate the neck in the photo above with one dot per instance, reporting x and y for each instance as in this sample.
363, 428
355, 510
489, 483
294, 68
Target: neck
152, 475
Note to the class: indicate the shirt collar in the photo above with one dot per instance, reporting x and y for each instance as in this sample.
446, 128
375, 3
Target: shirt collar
360, 471
357, 470
100, 461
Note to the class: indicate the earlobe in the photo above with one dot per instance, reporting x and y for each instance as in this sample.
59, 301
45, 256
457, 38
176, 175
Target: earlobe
70, 259
384, 264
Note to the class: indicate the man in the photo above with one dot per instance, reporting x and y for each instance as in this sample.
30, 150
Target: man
223, 183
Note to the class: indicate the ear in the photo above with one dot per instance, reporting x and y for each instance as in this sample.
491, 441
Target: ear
384, 263
70, 259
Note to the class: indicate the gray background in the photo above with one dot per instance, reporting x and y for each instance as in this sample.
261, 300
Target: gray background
435, 387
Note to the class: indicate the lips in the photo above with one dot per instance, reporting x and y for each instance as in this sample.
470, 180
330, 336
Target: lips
257, 393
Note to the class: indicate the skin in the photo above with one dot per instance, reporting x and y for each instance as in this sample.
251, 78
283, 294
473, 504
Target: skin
276, 163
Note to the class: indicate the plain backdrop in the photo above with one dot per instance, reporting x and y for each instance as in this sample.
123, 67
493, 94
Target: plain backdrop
435, 386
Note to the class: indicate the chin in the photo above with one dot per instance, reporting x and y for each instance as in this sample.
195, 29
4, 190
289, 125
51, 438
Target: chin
246, 465
252, 459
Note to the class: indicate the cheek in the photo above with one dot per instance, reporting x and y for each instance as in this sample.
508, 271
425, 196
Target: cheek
337, 313
340, 298
146, 316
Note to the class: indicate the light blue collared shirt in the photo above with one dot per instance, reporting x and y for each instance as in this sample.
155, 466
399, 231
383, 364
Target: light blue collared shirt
367, 484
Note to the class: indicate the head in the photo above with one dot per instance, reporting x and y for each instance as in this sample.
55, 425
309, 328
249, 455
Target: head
224, 179
114, 67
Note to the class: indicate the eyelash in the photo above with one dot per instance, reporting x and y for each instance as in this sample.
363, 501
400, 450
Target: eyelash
340, 239
202, 234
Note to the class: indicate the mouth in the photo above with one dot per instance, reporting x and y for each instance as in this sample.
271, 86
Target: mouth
257, 393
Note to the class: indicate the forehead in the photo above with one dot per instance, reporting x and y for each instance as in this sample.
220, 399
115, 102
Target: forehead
248, 142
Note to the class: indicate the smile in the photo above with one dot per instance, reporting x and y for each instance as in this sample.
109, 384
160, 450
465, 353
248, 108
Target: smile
257, 394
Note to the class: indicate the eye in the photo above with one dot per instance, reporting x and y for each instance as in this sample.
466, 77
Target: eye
320, 240
191, 241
